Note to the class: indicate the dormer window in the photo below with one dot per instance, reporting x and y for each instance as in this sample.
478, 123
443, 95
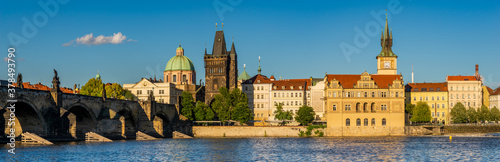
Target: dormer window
291, 87
258, 81
300, 87
283, 87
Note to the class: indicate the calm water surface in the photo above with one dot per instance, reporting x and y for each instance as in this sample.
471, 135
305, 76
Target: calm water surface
270, 149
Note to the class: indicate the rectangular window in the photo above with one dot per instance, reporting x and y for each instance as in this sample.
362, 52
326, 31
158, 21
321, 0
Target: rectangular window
174, 79
366, 94
373, 94
432, 114
432, 98
432, 105
334, 107
334, 94
437, 98
442, 113
442, 105
397, 94
437, 114
275, 94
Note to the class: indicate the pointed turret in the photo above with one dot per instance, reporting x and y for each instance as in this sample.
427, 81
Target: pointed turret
233, 50
386, 42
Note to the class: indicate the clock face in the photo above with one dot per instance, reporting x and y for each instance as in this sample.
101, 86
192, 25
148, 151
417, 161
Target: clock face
387, 64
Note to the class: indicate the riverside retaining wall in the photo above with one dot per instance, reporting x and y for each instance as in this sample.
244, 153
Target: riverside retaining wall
247, 131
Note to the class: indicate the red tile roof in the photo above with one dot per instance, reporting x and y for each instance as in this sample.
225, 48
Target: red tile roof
286, 84
257, 79
462, 78
42, 87
349, 80
496, 91
426, 87
490, 91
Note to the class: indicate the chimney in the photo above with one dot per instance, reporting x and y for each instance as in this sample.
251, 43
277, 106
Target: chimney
477, 70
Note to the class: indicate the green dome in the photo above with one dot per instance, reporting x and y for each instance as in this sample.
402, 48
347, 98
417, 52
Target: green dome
179, 63
180, 48
98, 76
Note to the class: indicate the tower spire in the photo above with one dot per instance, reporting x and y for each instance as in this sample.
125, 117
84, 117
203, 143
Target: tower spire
259, 70
386, 40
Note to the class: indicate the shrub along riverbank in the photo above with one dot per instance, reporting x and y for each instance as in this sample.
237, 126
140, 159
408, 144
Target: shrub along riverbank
472, 129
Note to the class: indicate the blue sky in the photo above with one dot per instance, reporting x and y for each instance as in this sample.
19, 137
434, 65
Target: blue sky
295, 39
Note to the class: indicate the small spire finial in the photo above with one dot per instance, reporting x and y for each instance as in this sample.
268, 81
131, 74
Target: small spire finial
244, 66
179, 44
215, 26
222, 26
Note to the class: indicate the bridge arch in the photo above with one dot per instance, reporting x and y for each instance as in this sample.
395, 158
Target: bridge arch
82, 121
128, 123
28, 118
160, 124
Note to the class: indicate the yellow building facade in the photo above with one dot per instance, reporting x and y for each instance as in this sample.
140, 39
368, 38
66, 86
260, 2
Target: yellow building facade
367, 104
435, 95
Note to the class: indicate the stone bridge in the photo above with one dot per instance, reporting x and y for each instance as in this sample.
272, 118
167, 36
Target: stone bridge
58, 116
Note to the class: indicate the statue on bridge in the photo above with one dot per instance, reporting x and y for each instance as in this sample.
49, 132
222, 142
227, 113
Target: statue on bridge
55, 81
20, 81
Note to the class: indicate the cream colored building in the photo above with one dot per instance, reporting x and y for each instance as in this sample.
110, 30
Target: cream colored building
465, 89
292, 93
317, 98
258, 91
162, 92
435, 95
495, 99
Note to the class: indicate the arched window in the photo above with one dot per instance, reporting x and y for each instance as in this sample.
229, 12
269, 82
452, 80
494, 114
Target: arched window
184, 78
348, 122
373, 106
365, 122
334, 107
373, 121
358, 122
383, 122
365, 107
358, 106
174, 78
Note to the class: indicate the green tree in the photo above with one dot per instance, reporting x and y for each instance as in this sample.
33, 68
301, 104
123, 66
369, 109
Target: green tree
459, 113
472, 115
409, 108
483, 114
203, 112
232, 105
305, 115
282, 115
187, 105
242, 113
421, 113
115, 90
93, 87
495, 114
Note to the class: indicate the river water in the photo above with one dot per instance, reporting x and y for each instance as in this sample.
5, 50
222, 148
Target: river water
269, 149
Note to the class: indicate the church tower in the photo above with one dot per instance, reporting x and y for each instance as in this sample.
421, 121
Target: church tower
387, 61
221, 68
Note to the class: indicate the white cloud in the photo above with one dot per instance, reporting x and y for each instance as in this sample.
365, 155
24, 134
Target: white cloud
89, 39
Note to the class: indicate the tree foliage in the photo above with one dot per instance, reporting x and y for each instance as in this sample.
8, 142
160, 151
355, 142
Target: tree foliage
93, 87
281, 114
187, 102
495, 114
232, 106
203, 112
483, 114
305, 115
421, 113
472, 115
409, 108
459, 113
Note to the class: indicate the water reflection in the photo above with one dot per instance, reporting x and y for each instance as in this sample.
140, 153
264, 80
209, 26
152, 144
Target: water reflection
270, 149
